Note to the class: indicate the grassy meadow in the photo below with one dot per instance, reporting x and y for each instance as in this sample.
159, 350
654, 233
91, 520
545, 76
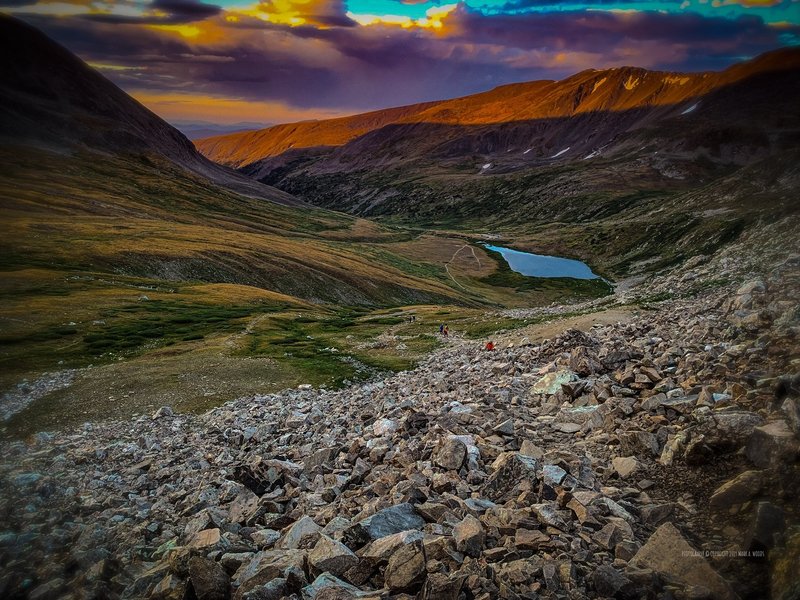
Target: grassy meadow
157, 288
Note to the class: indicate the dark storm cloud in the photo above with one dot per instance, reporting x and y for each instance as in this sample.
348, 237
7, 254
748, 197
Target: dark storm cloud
685, 41
164, 12
123, 44
187, 8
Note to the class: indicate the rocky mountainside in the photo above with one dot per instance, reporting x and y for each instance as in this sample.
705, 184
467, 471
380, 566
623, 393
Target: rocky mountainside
654, 458
53, 101
588, 167
573, 117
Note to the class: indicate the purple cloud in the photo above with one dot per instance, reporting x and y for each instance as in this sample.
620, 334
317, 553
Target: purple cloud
350, 68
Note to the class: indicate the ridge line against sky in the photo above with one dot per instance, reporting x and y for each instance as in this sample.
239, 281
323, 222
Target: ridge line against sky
227, 61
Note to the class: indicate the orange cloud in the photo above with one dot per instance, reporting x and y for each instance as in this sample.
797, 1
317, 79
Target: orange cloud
175, 106
199, 32
320, 13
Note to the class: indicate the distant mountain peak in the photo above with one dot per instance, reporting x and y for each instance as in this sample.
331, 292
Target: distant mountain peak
614, 89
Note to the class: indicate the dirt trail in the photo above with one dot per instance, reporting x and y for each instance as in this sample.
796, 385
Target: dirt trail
452, 258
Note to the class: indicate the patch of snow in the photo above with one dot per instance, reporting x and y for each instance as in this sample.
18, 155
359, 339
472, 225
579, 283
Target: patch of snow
557, 154
678, 80
691, 108
598, 83
528, 150
631, 83
592, 154
487, 166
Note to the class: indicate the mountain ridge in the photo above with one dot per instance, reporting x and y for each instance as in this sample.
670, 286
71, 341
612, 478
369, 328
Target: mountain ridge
52, 99
616, 89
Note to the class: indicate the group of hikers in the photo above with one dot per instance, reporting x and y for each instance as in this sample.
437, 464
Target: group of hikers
444, 331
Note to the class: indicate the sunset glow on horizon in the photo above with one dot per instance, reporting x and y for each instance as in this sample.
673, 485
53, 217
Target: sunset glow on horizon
286, 60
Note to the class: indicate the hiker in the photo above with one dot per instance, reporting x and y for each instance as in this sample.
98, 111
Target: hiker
446, 331
441, 329
490, 346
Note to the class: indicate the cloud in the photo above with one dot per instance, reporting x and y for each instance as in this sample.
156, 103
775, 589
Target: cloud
315, 65
177, 106
186, 8
747, 3
164, 12
324, 13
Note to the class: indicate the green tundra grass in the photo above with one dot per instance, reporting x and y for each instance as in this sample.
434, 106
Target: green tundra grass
160, 288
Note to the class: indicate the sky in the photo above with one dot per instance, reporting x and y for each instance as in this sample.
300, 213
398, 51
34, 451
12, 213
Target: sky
276, 61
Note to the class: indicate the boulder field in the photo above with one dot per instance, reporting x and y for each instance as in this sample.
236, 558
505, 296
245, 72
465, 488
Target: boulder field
652, 458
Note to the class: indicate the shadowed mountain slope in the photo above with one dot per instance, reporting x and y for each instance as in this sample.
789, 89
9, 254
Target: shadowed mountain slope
52, 100
92, 181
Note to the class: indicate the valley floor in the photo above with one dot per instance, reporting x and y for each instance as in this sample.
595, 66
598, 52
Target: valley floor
122, 344
648, 450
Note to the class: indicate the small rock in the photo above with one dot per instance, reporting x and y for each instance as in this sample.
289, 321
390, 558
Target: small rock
302, 534
208, 579
397, 518
551, 383
505, 428
406, 568
742, 488
608, 581
625, 466
530, 539
469, 536
205, 538
328, 587
772, 443
383, 427
768, 522
452, 454
332, 556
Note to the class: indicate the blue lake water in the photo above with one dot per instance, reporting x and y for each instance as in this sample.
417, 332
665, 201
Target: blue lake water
539, 265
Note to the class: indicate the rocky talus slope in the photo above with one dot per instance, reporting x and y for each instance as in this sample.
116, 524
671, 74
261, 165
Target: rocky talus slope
656, 458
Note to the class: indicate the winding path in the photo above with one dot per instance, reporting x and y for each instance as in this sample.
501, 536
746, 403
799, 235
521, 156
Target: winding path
452, 258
